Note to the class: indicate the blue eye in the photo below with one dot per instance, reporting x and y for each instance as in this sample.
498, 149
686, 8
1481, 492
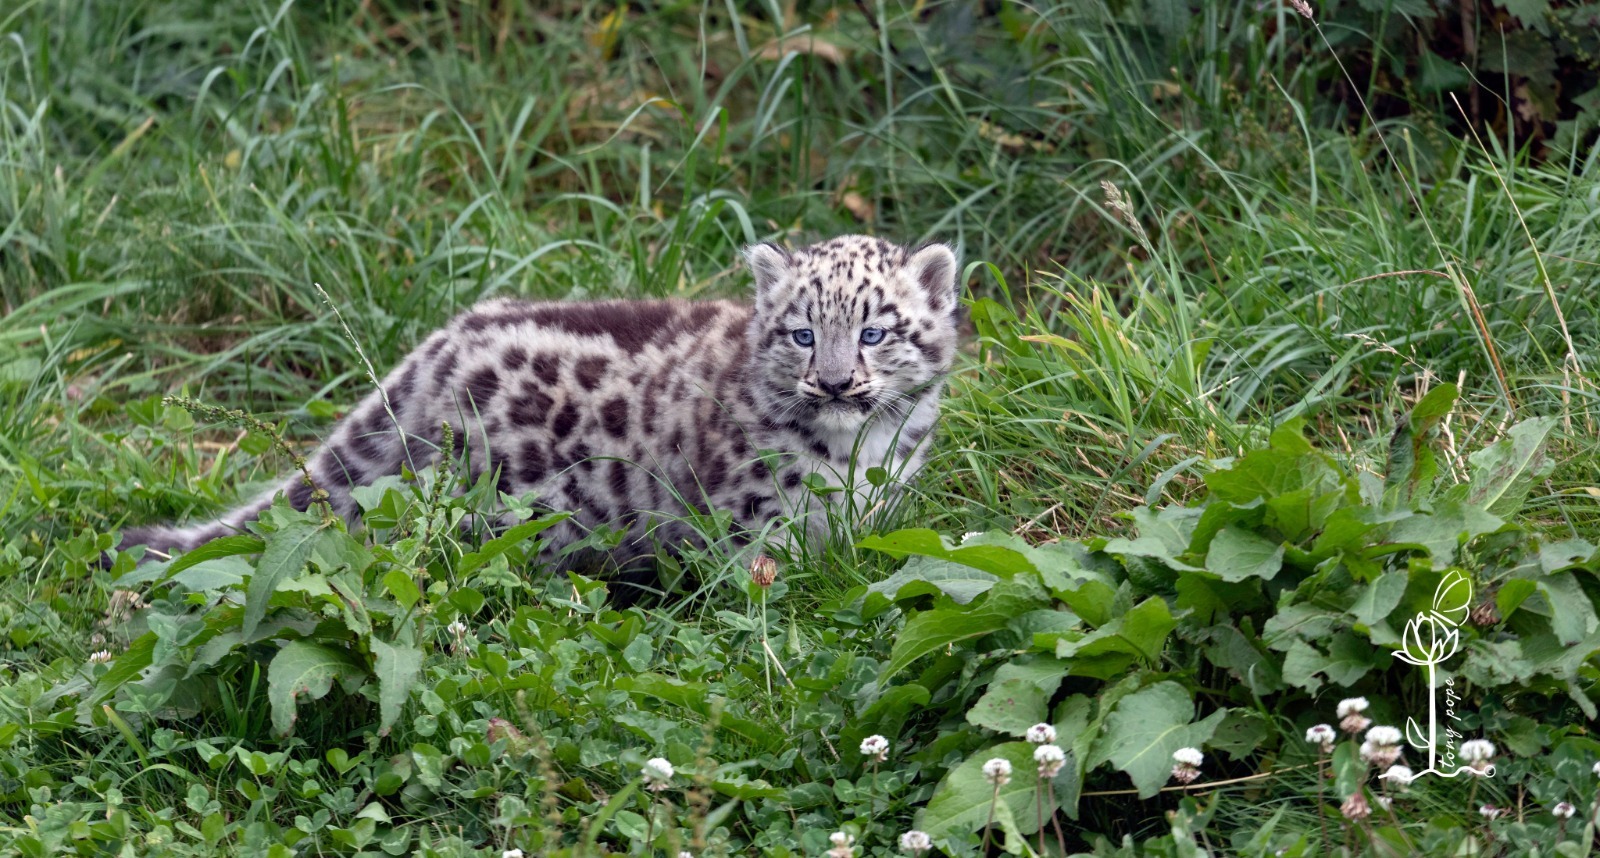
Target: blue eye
871, 336
803, 337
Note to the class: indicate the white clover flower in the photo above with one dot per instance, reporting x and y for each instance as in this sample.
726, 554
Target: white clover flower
1477, 750
101, 657
1188, 762
1350, 718
841, 845
1355, 808
915, 842
1050, 759
1564, 810
1596, 770
1489, 811
1382, 756
1476, 753
1323, 735
875, 748
1400, 775
1385, 802
685, 854
457, 628
998, 771
1188, 756
1384, 735
657, 774
1351, 706
511, 853
1041, 734
839, 838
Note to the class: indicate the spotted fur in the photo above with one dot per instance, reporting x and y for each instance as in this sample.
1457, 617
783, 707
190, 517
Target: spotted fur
633, 414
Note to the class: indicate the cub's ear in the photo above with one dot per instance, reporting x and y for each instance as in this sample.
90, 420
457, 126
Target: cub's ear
770, 264
933, 267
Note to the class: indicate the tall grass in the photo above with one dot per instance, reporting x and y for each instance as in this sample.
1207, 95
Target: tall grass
175, 176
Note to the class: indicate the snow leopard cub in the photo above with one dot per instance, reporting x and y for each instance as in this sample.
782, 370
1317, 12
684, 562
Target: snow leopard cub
632, 413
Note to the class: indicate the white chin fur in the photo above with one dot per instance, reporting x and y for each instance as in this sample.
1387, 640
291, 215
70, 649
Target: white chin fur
839, 418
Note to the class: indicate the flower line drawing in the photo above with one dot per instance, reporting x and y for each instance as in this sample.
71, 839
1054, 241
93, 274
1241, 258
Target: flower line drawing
1431, 638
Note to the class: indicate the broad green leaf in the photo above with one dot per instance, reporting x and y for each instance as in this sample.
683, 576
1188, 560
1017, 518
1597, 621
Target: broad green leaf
998, 561
923, 575
401, 586
285, 556
1230, 648
1172, 527
961, 802
305, 670
1379, 598
1572, 616
210, 576
1137, 636
1504, 472
1442, 533
1266, 474
1147, 727
1512, 594
693, 696
1530, 13
1238, 554
1241, 733
931, 630
397, 669
1412, 464
1009, 706
227, 546
1017, 697
1349, 657
1093, 601
1565, 554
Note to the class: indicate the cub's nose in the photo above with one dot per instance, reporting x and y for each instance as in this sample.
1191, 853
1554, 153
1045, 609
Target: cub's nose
834, 388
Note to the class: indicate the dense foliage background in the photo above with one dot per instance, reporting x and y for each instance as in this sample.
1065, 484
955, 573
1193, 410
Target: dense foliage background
1280, 323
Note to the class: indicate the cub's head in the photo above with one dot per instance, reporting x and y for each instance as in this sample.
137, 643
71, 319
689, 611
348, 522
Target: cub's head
851, 328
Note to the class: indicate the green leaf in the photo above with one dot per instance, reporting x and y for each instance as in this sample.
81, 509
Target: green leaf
1504, 472
400, 585
1092, 600
961, 802
924, 575
287, 551
1512, 594
1379, 598
1534, 14
397, 669
1572, 616
1017, 698
513, 537
1147, 727
305, 669
227, 546
1349, 657
1002, 562
1241, 733
1137, 636
1010, 706
931, 630
1238, 554
1232, 649
1412, 464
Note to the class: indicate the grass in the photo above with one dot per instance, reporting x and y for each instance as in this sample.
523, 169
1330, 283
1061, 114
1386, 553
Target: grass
181, 182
